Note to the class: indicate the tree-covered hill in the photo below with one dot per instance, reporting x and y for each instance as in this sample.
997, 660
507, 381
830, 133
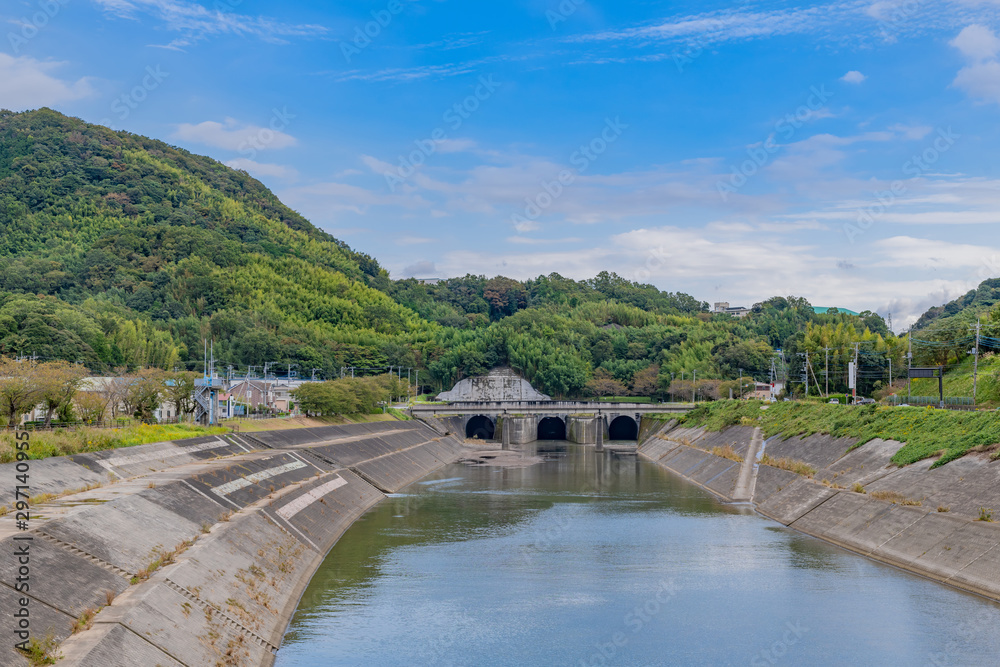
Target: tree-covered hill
124, 229
118, 250
946, 335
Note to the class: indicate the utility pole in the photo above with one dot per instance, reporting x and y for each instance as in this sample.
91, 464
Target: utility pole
827, 371
694, 384
975, 361
909, 362
807, 374
741, 383
854, 391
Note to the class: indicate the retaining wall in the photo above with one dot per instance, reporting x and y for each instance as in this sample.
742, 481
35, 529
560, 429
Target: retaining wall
253, 517
937, 536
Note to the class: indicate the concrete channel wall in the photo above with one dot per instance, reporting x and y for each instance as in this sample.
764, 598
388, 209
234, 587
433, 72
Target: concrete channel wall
930, 530
251, 517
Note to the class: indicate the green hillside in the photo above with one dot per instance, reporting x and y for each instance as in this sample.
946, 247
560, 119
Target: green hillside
148, 246
118, 250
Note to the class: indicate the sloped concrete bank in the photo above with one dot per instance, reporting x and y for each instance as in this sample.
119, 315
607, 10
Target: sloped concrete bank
930, 529
202, 547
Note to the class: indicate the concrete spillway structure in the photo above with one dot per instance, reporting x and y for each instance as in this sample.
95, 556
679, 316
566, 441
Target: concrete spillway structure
931, 529
246, 533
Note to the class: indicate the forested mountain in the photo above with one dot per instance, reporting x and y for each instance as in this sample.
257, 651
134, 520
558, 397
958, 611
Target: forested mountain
118, 250
148, 246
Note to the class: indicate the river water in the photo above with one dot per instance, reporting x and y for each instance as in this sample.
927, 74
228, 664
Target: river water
594, 559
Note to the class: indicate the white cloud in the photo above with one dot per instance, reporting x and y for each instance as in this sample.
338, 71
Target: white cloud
981, 77
259, 169
324, 202
854, 76
981, 80
423, 269
26, 83
232, 135
411, 240
455, 145
744, 269
912, 131
924, 254
977, 43
195, 22
525, 240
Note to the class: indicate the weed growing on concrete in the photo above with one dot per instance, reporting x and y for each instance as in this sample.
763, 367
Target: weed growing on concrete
942, 508
41, 651
857, 488
226, 516
791, 465
109, 597
727, 452
206, 527
163, 558
894, 497
85, 620
985, 515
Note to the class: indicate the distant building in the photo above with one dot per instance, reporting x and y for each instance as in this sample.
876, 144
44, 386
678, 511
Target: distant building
253, 393
428, 281
723, 307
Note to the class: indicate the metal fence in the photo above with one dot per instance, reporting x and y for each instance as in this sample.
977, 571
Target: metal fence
955, 402
123, 422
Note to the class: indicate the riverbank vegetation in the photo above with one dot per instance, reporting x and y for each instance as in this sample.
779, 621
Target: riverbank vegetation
62, 442
925, 432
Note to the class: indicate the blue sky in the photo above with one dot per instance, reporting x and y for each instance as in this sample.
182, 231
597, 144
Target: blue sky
844, 151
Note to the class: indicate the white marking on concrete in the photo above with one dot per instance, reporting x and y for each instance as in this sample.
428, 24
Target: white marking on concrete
161, 454
309, 497
205, 495
293, 454
236, 442
278, 523
243, 482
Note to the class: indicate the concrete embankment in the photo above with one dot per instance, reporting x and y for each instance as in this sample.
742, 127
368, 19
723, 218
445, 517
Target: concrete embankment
203, 547
915, 518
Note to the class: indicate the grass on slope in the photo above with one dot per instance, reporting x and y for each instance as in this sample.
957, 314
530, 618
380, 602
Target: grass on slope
925, 432
958, 382
62, 442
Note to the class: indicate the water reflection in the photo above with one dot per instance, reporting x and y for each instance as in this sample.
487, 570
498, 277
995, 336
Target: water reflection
568, 562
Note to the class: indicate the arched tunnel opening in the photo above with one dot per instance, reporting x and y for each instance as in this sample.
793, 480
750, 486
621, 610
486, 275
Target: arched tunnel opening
552, 428
480, 427
623, 428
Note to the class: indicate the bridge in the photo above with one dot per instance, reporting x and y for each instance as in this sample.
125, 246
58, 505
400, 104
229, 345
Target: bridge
519, 422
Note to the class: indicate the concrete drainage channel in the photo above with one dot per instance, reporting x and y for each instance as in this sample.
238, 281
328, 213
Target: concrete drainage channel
922, 520
198, 552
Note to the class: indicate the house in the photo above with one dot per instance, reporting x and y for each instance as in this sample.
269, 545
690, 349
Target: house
723, 307
252, 393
